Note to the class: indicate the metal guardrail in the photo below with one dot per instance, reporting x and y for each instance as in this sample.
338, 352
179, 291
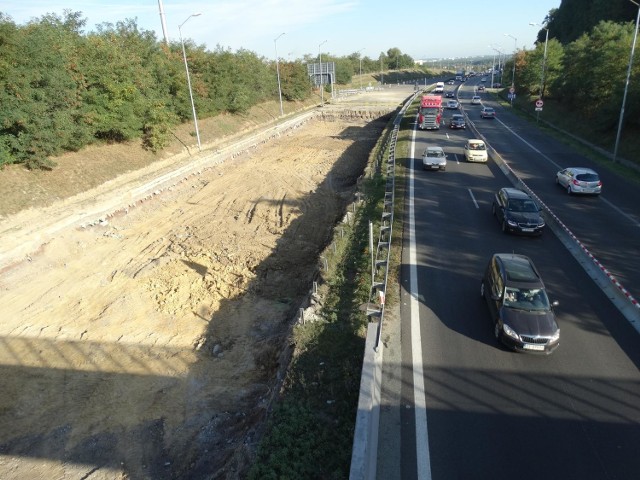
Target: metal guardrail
382, 251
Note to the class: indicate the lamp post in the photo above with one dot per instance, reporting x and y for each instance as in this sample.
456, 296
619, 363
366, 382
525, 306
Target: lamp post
321, 83
493, 63
360, 51
544, 57
278, 71
186, 67
513, 75
626, 85
515, 51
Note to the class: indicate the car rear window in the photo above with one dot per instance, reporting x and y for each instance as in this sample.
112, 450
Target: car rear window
587, 177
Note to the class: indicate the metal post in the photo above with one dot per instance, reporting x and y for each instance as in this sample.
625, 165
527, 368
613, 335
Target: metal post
626, 85
544, 57
321, 82
513, 75
278, 72
360, 51
184, 55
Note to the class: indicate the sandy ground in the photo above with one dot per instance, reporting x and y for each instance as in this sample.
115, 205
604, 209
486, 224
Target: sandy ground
147, 346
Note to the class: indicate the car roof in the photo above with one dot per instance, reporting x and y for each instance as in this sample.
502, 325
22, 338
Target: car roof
515, 193
433, 147
519, 268
487, 108
475, 140
457, 115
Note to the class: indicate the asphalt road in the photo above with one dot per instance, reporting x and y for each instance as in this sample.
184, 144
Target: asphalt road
464, 406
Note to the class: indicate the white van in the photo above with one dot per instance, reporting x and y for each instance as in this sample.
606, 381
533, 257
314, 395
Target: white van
439, 87
475, 151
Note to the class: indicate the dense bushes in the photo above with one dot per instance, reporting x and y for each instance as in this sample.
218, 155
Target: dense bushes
62, 90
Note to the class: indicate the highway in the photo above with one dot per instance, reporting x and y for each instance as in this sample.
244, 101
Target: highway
456, 404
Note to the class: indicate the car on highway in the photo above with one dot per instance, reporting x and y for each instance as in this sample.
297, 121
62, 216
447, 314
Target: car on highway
521, 311
457, 121
481, 88
579, 180
450, 94
475, 150
476, 100
452, 105
434, 158
488, 112
497, 85
483, 79
517, 212
451, 82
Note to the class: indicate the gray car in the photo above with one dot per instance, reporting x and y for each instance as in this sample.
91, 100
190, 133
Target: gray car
434, 158
579, 180
519, 306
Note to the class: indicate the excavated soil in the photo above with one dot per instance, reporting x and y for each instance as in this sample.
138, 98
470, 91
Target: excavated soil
147, 345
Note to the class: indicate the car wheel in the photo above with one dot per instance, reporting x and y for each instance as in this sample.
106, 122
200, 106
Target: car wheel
481, 289
504, 226
557, 181
496, 331
493, 209
569, 190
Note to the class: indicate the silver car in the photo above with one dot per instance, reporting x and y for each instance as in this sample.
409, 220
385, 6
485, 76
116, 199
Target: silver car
579, 180
434, 158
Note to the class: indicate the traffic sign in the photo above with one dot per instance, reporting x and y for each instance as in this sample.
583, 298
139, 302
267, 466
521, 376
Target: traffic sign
539, 103
512, 90
538, 109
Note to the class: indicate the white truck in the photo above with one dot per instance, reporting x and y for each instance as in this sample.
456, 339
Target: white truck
439, 87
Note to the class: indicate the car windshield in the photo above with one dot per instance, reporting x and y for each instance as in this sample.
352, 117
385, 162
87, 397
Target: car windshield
488, 110
532, 299
476, 146
522, 205
435, 153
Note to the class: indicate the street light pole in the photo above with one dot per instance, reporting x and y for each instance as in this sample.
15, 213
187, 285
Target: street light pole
321, 82
360, 51
544, 58
278, 72
626, 85
513, 75
186, 67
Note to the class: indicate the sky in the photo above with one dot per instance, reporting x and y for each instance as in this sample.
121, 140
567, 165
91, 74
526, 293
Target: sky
424, 29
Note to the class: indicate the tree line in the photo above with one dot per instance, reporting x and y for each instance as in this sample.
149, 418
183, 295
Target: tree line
62, 90
585, 71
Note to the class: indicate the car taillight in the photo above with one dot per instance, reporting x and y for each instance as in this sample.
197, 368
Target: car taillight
576, 182
599, 183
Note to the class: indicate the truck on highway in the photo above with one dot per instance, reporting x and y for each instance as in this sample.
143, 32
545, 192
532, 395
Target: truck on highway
430, 112
439, 87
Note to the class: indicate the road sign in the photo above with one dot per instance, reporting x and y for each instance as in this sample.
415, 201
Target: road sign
511, 96
512, 90
539, 104
538, 109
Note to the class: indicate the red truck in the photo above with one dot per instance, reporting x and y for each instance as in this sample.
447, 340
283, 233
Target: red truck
430, 112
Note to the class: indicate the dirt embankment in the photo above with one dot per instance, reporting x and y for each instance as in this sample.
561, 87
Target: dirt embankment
147, 346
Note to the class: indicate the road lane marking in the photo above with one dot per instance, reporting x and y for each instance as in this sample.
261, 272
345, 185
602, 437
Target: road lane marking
473, 198
419, 397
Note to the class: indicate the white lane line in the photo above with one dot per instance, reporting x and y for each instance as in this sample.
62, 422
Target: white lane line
419, 397
473, 198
